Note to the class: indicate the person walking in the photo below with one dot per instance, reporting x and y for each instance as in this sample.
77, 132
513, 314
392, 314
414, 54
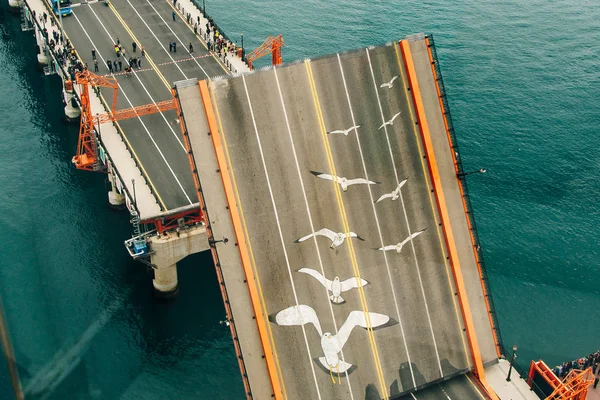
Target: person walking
134, 46
117, 51
170, 47
110, 66
139, 63
95, 65
93, 54
120, 65
174, 47
115, 65
191, 49
143, 51
118, 42
173, 15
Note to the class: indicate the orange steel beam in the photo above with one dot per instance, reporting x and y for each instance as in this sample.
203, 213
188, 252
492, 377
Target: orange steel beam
462, 195
213, 250
138, 111
270, 45
446, 224
242, 246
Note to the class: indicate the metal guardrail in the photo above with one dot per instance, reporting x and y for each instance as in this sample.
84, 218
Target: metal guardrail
466, 194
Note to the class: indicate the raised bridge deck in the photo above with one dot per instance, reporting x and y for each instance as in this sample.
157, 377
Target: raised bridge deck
264, 190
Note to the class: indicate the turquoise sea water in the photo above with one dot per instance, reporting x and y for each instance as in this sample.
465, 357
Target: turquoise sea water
523, 85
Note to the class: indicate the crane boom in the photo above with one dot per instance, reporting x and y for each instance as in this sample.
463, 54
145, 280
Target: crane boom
273, 45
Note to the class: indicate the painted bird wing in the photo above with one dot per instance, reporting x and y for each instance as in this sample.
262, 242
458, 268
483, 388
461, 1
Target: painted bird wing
412, 236
395, 116
327, 176
397, 190
358, 318
322, 175
353, 283
393, 79
317, 275
384, 124
298, 315
336, 131
388, 248
359, 181
327, 233
354, 235
383, 197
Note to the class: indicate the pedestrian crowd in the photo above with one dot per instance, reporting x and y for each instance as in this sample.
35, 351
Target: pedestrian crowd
592, 360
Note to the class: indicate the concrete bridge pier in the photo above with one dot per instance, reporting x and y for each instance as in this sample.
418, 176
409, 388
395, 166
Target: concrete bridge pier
170, 248
72, 110
116, 199
43, 57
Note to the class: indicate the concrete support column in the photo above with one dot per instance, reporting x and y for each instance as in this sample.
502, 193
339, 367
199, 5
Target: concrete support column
72, 111
170, 248
14, 3
42, 57
165, 281
116, 199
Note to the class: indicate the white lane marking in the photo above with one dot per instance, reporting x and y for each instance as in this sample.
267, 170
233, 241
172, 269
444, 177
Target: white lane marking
159, 42
310, 220
144, 87
131, 105
413, 396
287, 261
387, 264
180, 41
412, 244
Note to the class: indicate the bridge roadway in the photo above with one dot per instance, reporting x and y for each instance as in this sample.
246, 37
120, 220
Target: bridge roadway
155, 139
270, 135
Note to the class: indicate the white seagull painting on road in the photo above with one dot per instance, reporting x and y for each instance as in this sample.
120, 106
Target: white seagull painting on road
344, 182
337, 238
393, 195
398, 247
390, 122
336, 287
331, 344
345, 132
390, 83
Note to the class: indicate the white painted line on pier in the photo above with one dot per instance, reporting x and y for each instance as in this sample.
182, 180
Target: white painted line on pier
287, 260
310, 220
412, 244
131, 105
180, 41
176, 135
158, 41
387, 264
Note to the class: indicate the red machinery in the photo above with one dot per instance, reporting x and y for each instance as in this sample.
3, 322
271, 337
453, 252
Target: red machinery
272, 45
87, 153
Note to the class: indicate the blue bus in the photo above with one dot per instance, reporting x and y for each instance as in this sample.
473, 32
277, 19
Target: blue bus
65, 7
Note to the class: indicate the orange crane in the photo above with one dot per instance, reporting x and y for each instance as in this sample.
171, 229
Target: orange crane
272, 45
573, 387
87, 152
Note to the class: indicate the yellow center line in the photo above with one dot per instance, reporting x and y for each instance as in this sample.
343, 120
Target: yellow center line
446, 264
246, 234
221, 64
132, 35
129, 146
342, 210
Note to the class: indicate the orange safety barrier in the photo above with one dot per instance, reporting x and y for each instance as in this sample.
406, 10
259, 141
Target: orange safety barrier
242, 246
445, 218
213, 250
462, 195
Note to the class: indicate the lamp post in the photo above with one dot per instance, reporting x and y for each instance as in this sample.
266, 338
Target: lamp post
479, 171
243, 46
512, 361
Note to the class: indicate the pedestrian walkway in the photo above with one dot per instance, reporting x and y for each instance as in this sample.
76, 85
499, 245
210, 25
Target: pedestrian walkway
196, 17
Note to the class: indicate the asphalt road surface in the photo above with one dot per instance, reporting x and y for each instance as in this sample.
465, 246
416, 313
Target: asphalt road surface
274, 123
